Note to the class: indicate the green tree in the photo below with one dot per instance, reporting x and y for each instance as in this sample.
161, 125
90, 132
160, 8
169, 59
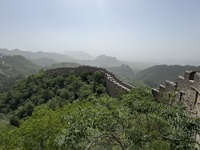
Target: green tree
98, 77
85, 91
14, 121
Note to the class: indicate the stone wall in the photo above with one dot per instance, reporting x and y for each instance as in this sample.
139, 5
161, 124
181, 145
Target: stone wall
113, 85
187, 90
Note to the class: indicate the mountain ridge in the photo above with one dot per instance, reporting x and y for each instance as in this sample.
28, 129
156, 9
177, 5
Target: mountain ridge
80, 55
38, 55
45, 59
13, 68
158, 74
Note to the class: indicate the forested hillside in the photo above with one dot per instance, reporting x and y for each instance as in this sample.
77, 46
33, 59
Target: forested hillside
156, 75
62, 65
75, 112
13, 68
19, 64
56, 91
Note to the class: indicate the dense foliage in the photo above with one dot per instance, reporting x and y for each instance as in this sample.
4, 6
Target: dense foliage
132, 122
41, 88
73, 112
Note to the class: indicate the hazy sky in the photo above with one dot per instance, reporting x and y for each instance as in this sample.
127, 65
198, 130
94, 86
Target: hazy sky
127, 29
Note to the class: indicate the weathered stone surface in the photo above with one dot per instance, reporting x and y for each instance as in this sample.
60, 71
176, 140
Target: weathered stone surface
187, 90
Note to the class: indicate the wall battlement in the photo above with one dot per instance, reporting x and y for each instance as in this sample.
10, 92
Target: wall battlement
187, 90
113, 85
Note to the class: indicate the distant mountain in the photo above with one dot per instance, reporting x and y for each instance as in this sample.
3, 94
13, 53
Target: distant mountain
18, 63
13, 68
182, 62
61, 65
123, 71
80, 55
45, 59
103, 61
44, 62
126, 74
38, 55
4, 51
139, 65
104, 57
158, 74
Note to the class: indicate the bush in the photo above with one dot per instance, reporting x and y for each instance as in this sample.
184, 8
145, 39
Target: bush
14, 121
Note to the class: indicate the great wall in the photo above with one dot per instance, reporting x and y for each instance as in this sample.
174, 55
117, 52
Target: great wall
186, 89
113, 85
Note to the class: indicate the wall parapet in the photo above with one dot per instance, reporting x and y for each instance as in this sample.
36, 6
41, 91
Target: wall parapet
187, 90
113, 85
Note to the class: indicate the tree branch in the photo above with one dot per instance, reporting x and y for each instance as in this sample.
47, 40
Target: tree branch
115, 138
108, 135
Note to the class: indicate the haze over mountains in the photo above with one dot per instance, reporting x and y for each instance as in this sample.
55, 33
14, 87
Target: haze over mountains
38, 56
22, 63
17, 64
44, 59
80, 55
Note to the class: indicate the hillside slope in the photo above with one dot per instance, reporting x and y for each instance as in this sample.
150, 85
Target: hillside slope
42, 88
13, 68
132, 121
19, 64
38, 55
44, 61
156, 75
103, 61
62, 65
123, 71
80, 55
